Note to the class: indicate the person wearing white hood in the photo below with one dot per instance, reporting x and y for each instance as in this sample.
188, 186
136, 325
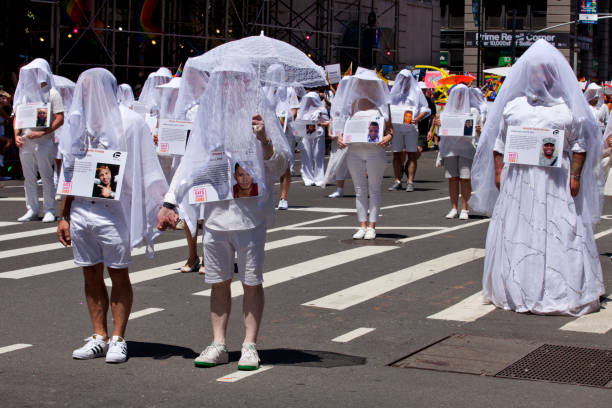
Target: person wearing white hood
594, 96
125, 95
313, 154
66, 88
102, 231
150, 94
406, 92
36, 146
366, 96
226, 122
541, 255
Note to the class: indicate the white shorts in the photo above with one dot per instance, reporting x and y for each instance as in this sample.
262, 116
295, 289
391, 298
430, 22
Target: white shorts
405, 137
220, 248
457, 166
99, 234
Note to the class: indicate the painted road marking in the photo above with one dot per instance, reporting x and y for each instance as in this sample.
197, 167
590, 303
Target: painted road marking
345, 338
239, 375
8, 349
468, 310
144, 312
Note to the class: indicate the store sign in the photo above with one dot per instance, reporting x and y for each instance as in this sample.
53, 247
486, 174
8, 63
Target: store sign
504, 61
444, 58
522, 39
588, 12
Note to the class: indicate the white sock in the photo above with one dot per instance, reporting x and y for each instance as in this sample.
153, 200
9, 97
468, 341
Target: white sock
340, 190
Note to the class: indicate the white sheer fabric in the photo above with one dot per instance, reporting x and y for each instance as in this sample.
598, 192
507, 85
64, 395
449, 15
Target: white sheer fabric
193, 84
600, 110
66, 89
406, 92
125, 95
168, 97
31, 77
150, 94
460, 101
97, 120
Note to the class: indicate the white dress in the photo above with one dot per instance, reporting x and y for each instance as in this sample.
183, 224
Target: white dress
541, 256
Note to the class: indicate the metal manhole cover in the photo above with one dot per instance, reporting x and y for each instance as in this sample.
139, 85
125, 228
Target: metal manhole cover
563, 364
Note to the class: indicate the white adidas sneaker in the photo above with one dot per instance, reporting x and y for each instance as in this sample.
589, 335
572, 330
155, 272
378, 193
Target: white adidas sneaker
94, 348
117, 350
212, 356
249, 359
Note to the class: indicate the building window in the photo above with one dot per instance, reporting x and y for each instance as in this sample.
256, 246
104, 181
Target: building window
500, 14
452, 14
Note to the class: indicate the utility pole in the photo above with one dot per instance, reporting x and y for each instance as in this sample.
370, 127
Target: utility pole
513, 36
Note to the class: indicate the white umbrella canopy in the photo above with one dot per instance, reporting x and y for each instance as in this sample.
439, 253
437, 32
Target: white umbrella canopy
501, 71
264, 51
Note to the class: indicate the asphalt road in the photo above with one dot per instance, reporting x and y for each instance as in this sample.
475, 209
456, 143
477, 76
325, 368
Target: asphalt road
312, 270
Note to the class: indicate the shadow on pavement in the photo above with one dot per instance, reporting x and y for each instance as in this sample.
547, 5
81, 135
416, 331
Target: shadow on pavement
158, 351
304, 358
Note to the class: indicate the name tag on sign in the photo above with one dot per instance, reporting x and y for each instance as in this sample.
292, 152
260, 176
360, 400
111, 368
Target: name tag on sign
534, 146
98, 174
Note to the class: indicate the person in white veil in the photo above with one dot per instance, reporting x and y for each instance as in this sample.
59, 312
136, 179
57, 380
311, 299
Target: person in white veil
366, 96
594, 96
457, 152
125, 95
150, 94
37, 149
479, 99
103, 231
541, 255
313, 152
168, 94
66, 88
227, 123
406, 92
336, 167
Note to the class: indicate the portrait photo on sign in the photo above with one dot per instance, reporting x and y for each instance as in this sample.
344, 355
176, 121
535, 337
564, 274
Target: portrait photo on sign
548, 152
407, 117
105, 185
468, 128
244, 185
373, 132
42, 117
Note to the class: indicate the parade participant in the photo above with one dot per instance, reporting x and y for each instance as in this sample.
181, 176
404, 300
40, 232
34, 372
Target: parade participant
313, 153
150, 94
406, 92
37, 149
66, 88
336, 167
125, 95
366, 96
226, 122
457, 152
541, 255
425, 124
168, 94
594, 96
102, 231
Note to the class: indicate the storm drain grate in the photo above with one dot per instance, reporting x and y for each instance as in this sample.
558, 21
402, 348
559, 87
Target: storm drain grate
563, 364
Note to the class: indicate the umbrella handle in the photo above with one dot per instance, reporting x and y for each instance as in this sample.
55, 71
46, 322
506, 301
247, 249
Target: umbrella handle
258, 85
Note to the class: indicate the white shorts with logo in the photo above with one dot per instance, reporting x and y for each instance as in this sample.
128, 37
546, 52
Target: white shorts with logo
99, 233
220, 247
405, 137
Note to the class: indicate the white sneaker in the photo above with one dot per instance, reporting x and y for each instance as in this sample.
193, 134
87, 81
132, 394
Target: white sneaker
283, 204
370, 233
249, 359
94, 348
28, 216
117, 350
465, 215
213, 355
49, 217
360, 233
452, 213
336, 194
39, 182
397, 185
320, 184
58, 197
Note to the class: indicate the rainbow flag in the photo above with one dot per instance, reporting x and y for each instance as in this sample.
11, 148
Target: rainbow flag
179, 71
147, 12
74, 11
349, 71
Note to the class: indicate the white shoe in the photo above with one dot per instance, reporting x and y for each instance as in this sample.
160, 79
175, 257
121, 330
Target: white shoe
360, 233
320, 184
39, 182
213, 355
465, 215
49, 217
283, 204
249, 359
180, 225
94, 348
336, 194
117, 350
370, 234
28, 216
58, 197
452, 213
308, 183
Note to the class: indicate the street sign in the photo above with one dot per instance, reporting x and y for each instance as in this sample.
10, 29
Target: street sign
444, 58
588, 12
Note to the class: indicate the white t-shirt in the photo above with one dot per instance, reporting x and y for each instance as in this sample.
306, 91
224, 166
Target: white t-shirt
57, 106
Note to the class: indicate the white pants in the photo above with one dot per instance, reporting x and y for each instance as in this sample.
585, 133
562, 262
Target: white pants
367, 163
38, 155
313, 160
341, 167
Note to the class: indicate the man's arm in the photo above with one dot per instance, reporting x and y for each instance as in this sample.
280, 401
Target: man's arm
499, 166
63, 226
576, 171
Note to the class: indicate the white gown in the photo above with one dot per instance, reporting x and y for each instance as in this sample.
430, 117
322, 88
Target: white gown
541, 256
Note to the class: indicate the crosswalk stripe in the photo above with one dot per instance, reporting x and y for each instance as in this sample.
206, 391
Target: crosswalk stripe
166, 270
468, 310
300, 224
324, 209
239, 375
390, 207
16, 199
378, 227
375, 287
144, 312
8, 223
7, 349
309, 267
603, 233
443, 231
353, 334
28, 234
600, 322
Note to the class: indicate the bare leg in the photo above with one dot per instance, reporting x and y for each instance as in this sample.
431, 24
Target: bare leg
398, 165
373, 225
220, 308
192, 244
121, 299
453, 190
252, 311
285, 183
340, 184
58, 166
363, 224
97, 298
466, 192
412, 165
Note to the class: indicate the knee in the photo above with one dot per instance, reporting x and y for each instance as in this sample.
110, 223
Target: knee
119, 277
221, 286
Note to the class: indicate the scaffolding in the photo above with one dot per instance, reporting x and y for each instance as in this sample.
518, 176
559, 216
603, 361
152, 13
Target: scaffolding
114, 34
